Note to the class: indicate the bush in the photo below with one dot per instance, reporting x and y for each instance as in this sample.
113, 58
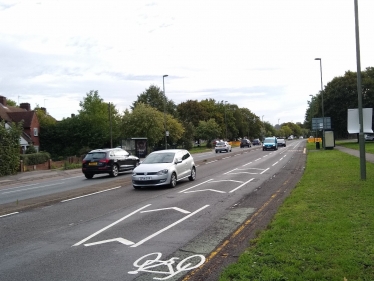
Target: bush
30, 150
35, 158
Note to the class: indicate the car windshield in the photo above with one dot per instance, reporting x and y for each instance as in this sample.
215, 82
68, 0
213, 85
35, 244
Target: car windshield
95, 155
269, 140
159, 158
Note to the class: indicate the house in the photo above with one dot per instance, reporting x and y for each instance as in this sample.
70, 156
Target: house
31, 126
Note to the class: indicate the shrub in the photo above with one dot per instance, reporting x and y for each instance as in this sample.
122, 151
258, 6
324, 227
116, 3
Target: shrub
35, 158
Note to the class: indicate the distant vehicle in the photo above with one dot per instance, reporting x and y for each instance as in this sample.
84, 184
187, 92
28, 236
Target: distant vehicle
281, 142
164, 167
290, 137
245, 143
301, 137
369, 137
270, 143
110, 161
222, 146
256, 142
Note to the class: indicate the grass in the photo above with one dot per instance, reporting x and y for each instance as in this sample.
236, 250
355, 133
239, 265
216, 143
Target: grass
323, 231
369, 146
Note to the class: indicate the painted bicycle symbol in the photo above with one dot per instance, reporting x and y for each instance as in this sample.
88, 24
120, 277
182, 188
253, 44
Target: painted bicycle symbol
150, 262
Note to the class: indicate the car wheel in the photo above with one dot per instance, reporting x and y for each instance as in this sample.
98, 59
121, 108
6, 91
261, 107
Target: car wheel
173, 180
193, 174
263, 149
88, 175
216, 151
114, 172
136, 187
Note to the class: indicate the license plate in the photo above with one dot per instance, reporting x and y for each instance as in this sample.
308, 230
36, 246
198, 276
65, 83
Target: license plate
92, 164
145, 178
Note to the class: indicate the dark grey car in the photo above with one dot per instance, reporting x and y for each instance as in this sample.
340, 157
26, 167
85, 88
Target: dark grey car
108, 161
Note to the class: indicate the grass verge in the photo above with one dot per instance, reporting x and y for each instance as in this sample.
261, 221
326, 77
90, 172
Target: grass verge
369, 146
323, 231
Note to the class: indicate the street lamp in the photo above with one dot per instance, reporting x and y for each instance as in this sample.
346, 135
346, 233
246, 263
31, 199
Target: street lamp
226, 119
263, 118
323, 109
163, 84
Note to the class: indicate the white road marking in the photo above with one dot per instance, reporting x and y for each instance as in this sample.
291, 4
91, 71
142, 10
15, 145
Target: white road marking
211, 162
264, 171
90, 194
241, 185
174, 208
247, 164
109, 226
9, 214
120, 240
275, 163
195, 186
208, 189
168, 227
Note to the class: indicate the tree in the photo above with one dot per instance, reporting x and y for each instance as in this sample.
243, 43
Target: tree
11, 102
9, 147
208, 130
154, 97
192, 112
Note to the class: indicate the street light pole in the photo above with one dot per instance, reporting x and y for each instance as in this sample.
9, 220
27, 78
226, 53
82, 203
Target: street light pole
361, 138
226, 119
323, 108
163, 84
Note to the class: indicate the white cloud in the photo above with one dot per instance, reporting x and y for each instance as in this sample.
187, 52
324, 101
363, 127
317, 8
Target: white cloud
256, 54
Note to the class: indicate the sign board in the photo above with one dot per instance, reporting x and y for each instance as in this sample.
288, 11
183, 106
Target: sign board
353, 125
317, 123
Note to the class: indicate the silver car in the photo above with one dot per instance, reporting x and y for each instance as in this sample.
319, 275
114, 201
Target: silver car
164, 167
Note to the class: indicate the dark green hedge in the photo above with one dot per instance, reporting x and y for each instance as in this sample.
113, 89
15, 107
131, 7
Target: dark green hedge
35, 158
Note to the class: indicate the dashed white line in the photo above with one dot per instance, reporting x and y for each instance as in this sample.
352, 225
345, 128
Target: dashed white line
9, 214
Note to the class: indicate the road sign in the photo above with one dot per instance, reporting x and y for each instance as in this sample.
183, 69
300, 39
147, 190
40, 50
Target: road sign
317, 123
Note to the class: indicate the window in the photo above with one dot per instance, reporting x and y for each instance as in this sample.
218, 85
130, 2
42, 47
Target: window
35, 132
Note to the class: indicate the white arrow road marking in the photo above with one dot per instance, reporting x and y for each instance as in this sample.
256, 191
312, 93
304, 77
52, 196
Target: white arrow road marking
109, 226
120, 240
241, 185
174, 208
195, 186
169, 226
208, 189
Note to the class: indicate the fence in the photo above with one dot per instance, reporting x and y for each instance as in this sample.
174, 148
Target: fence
50, 164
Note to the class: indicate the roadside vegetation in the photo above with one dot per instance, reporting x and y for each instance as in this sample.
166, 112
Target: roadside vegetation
369, 145
323, 231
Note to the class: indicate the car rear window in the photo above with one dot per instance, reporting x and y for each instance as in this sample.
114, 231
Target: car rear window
220, 143
95, 155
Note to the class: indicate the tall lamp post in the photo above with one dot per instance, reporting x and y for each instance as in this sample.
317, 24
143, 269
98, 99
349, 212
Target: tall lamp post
311, 117
163, 85
323, 108
226, 119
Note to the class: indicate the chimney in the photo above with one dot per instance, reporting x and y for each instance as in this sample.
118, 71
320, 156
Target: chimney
44, 110
72, 115
3, 100
25, 106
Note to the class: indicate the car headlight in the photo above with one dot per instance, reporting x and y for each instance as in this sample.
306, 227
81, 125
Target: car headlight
163, 172
133, 174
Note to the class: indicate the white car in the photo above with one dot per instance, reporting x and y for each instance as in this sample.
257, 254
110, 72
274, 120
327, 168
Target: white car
369, 137
222, 146
164, 167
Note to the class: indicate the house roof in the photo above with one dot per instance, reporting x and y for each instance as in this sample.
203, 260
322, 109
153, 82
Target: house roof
16, 114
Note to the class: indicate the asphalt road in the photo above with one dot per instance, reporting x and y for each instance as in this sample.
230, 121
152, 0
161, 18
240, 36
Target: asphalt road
109, 231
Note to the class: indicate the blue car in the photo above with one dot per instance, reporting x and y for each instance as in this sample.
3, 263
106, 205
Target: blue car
270, 143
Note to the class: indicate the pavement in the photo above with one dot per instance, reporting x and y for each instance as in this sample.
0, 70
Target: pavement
369, 156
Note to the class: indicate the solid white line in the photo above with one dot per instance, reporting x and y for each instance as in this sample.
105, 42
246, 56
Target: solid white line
120, 240
169, 226
194, 186
241, 185
109, 226
9, 214
208, 189
89, 194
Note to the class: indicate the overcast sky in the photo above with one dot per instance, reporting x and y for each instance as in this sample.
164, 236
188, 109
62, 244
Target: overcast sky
255, 54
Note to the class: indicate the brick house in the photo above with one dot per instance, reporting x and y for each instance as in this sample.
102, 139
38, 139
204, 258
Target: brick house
31, 126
